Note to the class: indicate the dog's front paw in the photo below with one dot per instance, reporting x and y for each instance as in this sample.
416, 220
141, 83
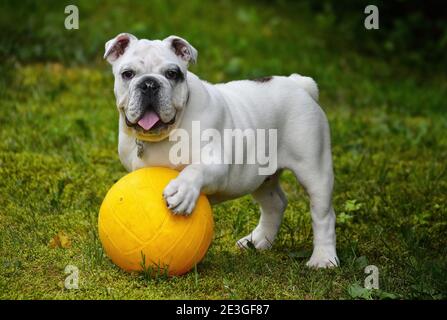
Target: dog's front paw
323, 257
260, 239
181, 196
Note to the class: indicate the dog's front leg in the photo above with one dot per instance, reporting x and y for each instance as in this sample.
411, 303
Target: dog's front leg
181, 193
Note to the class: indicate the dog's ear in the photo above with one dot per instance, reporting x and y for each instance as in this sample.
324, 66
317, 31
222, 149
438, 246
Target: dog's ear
182, 49
116, 47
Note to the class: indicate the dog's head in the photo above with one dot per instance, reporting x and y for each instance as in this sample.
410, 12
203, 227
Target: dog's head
150, 82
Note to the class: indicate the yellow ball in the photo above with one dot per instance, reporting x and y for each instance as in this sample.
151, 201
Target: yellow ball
134, 222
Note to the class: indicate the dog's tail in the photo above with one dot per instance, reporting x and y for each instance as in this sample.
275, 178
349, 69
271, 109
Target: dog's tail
307, 83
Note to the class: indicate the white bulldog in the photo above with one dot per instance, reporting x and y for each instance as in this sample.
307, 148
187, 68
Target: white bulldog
156, 94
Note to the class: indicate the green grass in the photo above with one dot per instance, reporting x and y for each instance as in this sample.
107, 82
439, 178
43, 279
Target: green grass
58, 157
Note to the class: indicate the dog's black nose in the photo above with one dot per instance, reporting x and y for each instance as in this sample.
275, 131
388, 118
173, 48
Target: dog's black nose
149, 85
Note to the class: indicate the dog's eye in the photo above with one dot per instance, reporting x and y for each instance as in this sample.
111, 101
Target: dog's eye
128, 74
171, 74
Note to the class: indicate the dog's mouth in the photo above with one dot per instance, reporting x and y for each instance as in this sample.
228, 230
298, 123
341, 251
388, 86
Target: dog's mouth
149, 121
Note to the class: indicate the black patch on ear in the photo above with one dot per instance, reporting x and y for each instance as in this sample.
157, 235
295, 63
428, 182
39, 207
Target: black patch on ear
262, 79
121, 46
178, 46
118, 47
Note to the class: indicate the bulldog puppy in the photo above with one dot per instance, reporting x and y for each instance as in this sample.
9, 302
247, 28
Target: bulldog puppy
156, 96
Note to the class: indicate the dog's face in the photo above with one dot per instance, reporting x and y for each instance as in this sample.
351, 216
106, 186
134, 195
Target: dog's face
150, 82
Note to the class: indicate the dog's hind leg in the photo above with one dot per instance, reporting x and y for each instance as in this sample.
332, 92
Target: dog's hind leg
273, 203
311, 162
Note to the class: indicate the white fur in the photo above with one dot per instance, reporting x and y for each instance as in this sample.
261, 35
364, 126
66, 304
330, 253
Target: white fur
307, 84
289, 104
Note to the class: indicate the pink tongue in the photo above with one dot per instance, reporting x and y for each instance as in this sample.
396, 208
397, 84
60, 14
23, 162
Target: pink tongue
149, 119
